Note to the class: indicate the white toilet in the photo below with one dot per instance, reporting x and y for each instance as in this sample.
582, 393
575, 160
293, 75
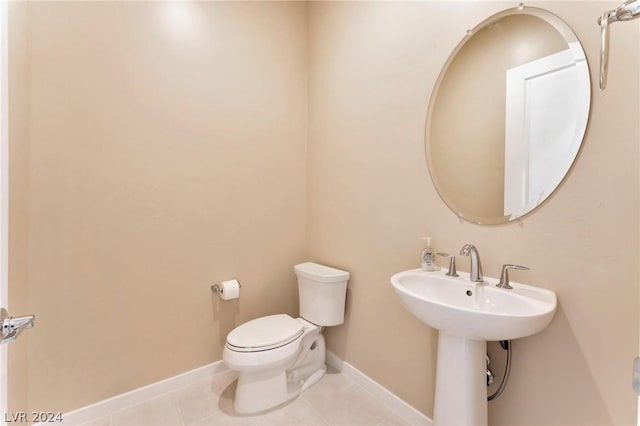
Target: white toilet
277, 356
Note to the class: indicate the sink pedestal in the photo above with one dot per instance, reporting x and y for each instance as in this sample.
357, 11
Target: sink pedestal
461, 382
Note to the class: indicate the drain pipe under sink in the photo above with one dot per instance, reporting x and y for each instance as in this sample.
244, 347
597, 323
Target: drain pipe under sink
506, 345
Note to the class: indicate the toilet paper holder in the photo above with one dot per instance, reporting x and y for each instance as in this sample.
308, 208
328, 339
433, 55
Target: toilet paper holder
218, 289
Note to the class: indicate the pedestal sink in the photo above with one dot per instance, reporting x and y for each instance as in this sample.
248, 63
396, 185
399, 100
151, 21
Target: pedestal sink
467, 315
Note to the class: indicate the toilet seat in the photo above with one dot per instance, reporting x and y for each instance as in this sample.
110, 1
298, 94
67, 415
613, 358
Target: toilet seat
265, 333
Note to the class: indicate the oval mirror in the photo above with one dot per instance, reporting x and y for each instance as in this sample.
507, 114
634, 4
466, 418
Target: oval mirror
507, 115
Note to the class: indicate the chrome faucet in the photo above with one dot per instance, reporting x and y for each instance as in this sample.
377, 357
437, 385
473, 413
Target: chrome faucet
476, 267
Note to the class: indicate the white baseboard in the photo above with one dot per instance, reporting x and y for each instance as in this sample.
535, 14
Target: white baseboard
154, 390
137, 396
397, 405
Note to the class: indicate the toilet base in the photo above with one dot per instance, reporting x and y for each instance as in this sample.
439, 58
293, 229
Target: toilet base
270, 391
257, 391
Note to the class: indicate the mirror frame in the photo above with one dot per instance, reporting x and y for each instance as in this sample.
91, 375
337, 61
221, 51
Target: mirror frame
569, 36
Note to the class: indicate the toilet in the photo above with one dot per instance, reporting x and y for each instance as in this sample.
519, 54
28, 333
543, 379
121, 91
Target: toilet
277, 357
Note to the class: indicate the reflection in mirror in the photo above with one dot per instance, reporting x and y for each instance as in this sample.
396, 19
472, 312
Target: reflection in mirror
507, 116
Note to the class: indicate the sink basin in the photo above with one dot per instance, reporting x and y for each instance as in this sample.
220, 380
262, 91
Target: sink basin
467, 315
462, 308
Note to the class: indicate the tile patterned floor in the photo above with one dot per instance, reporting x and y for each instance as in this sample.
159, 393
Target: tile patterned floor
334, 400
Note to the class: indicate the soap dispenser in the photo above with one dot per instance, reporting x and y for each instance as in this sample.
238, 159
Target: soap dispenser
428, 258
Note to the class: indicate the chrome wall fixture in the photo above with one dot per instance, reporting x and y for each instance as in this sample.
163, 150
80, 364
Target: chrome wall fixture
11, 327
625, 12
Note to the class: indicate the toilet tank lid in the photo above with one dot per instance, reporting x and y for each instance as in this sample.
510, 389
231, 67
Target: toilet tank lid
321, 273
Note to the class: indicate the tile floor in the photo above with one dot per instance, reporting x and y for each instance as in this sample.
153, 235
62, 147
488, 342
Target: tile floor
334, 400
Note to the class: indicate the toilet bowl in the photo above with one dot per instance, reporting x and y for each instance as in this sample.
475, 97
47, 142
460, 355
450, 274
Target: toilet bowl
275, 368
277, 357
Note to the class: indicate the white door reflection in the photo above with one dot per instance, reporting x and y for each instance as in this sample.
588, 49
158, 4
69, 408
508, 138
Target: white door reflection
546, 102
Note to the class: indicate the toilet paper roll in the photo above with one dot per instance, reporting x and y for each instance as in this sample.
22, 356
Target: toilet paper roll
230, 290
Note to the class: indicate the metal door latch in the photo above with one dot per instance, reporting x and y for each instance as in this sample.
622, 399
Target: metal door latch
635, 383
11, 327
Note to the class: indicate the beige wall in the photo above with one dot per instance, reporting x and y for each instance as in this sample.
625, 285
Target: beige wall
162, 159
373, 66
159, 161
19, 195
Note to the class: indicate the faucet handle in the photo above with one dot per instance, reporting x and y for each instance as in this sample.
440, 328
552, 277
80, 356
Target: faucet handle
504, 277
452, 264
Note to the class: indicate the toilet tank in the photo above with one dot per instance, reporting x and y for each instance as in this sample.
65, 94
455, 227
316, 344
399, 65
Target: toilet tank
322, 292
